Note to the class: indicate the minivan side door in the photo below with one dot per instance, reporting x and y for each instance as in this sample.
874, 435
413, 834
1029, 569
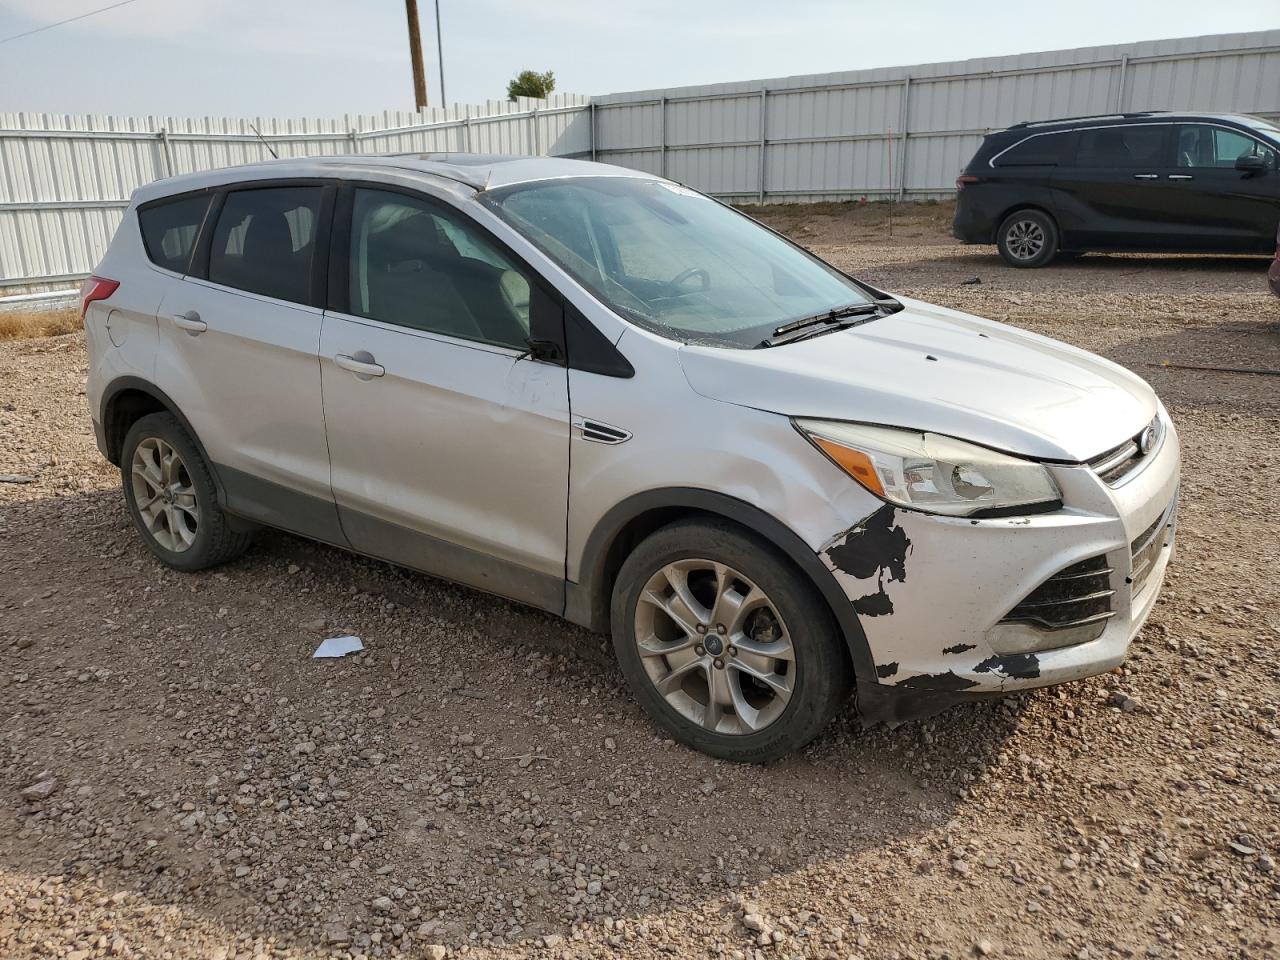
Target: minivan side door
1220, 207
449, 443
1111, 196
238, 347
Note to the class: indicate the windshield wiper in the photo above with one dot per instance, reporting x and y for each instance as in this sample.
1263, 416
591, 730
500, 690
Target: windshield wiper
840, 318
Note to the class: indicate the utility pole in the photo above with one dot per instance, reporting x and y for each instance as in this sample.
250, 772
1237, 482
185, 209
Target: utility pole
415, 54
440, 55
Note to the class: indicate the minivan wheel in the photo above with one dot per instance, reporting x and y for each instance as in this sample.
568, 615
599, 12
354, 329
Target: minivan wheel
1027, 238
725, 644
172, 498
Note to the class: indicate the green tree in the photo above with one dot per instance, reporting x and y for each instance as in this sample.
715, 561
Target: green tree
530, 83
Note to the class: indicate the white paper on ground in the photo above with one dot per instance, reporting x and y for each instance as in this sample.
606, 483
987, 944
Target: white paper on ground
338, 647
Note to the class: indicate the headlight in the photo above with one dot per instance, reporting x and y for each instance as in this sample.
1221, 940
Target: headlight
930, 472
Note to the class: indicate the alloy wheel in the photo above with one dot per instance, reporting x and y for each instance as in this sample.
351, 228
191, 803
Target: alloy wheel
1025, 239
715, 647
164, 495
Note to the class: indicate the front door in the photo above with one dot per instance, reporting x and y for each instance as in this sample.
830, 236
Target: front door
449, 444
1222, 208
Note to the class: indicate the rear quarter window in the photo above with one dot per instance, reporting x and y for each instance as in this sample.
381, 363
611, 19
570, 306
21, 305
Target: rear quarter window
169, 230
1039, 150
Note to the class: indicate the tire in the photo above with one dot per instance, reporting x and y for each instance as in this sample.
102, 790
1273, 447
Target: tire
781, 613
1027, 238
183, 524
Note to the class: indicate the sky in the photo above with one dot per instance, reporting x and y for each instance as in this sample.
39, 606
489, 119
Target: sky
322, 58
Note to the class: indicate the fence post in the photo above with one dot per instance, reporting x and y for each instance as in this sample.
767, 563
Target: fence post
355, 141
533, 130
662, 141
166, 152
764, 112
902, 128
1124, 71
466, 129
592, 117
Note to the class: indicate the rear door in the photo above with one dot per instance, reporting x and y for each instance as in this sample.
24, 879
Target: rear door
239, 342
1112, 195
1220, 207
449, 443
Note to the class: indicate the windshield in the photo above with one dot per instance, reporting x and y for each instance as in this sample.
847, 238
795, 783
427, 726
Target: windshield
1262, 125
672, 260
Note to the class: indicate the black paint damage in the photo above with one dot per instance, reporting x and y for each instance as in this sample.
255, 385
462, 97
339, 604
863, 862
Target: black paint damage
944, 682
872, 548
959, 648
1016, 666
886, 669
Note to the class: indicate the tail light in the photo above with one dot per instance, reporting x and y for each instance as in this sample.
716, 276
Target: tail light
967, 178
95, 288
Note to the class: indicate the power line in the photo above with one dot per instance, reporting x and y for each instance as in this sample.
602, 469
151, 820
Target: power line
50, 26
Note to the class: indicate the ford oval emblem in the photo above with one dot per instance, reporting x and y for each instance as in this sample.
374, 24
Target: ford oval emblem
1147, 439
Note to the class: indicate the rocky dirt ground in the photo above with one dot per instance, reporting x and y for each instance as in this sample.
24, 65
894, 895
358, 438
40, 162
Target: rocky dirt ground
179, 779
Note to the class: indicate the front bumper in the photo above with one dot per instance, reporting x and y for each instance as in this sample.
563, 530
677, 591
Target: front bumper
930, 629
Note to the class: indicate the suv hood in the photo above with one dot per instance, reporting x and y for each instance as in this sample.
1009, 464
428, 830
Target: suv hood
930, 368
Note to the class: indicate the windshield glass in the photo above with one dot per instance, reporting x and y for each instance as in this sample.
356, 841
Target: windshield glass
1263, 126
672, 260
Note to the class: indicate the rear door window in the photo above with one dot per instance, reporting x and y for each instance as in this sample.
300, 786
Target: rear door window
1040, 150
265, 241
1124, 148
169, 230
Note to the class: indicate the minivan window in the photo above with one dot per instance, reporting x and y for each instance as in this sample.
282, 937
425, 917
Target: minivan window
265, 241
1041, 150
169, 230
672, 260
418, 266
1122, 147
1203, 145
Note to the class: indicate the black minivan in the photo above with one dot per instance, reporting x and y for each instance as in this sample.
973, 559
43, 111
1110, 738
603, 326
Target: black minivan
1148, 182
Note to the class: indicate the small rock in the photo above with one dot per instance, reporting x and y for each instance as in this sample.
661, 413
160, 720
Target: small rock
753, 921
552, 940
42, 789
435, 951
382, 904
983, 948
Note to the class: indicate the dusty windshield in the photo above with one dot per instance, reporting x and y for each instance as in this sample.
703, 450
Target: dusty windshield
673, 260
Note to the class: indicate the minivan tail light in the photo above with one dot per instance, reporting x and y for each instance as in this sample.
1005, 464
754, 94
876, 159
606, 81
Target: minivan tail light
95, 288
967, 178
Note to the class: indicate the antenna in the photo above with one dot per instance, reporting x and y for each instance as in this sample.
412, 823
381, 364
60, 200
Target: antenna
274, 155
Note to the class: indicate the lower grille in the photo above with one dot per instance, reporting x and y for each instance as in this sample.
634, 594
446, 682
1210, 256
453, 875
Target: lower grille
1146, 547
1075, 597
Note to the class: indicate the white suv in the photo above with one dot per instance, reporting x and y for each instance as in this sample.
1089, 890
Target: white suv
606, 395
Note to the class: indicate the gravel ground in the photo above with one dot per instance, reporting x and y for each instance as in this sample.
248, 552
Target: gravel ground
178, 778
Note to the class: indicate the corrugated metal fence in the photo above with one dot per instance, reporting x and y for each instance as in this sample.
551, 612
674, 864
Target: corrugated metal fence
906, 132
901, 132
64, 180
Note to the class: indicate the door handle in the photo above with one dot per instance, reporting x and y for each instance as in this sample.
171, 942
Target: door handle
1146, 176
190, 322
362, 364
1181, 176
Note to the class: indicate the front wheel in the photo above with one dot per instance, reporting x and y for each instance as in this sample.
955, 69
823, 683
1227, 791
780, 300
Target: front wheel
725, 644
1027, 238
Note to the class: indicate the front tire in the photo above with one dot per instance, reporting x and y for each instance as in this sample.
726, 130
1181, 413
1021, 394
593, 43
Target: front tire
1027, 238
172, 499
726, 645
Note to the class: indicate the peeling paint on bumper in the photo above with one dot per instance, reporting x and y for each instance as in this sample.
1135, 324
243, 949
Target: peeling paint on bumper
936, 586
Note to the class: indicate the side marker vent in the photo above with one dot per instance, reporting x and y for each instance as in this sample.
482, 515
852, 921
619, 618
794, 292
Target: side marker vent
597, 432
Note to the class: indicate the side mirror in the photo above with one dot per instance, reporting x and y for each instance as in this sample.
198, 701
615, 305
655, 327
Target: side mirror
1250, 164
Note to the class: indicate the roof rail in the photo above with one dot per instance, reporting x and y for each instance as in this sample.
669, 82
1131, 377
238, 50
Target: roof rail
1097, 116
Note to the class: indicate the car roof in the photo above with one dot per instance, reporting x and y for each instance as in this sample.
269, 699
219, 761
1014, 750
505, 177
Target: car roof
1142, 116
477, 171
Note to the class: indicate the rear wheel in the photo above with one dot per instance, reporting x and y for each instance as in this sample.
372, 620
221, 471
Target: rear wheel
725, 644
172, 498
1027, 238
